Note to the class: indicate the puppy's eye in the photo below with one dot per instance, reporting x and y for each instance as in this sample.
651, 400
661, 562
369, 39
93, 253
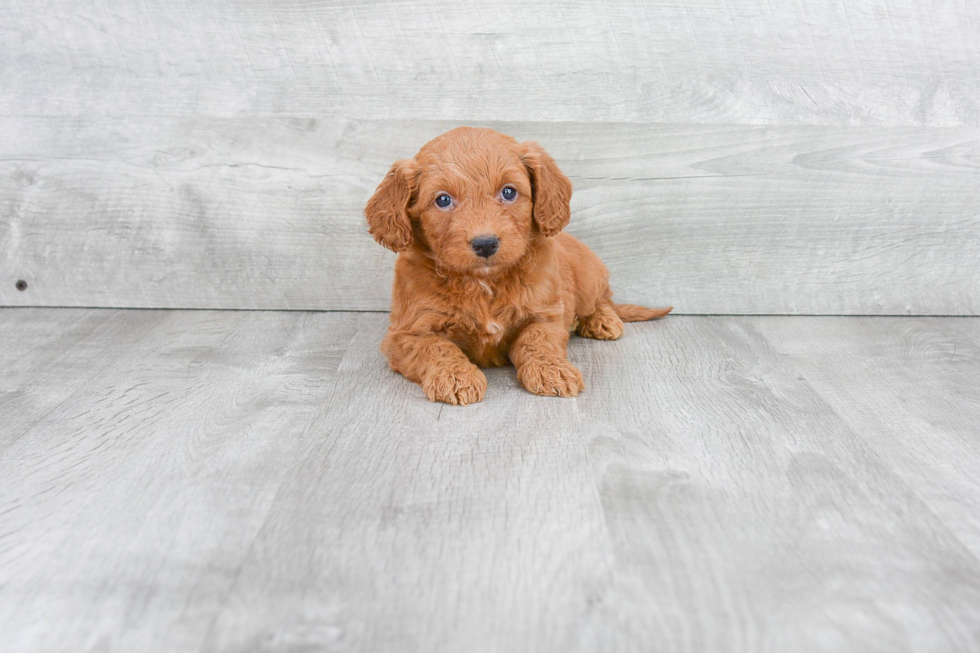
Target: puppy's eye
444, 201
508, 193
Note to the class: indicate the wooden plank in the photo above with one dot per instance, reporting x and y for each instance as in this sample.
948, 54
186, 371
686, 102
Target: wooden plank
133, 481
747, 514
715, 62
267, 213
261, 481
39, 345
423, 524
730, 504
911, 389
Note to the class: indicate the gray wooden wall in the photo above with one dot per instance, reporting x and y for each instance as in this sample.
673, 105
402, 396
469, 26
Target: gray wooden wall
728, 156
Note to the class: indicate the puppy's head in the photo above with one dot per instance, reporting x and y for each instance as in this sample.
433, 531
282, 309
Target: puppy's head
474, 198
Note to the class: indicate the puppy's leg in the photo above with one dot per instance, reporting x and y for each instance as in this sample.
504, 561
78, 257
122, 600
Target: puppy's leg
604, 324
538, 353
439, 366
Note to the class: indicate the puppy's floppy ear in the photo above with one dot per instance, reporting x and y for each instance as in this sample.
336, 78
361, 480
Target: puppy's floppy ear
387, 210
552, 189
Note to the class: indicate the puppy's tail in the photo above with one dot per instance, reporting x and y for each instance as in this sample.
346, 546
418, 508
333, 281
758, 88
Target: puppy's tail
634, 313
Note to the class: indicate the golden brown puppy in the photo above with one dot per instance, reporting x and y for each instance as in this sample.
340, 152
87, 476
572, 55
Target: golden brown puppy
485, 274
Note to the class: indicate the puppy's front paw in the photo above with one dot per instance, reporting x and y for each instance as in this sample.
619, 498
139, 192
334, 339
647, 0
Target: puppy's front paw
456, 384
551, 377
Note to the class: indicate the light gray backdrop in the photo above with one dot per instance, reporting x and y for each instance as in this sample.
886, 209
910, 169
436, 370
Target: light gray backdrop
733, 157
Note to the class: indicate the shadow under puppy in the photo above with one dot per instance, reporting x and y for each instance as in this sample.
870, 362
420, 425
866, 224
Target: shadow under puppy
485, 274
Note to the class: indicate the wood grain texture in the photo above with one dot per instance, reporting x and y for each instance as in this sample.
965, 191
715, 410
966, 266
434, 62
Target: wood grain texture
768, 522
871, 63
267, 213
226, 481
140, 452
932, 387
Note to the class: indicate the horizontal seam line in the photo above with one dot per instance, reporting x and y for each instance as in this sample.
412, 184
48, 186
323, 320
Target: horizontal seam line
364, 310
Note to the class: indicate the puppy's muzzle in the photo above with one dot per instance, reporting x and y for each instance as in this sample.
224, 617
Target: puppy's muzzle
485, 246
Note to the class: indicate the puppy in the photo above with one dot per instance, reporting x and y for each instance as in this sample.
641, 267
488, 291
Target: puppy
485, 275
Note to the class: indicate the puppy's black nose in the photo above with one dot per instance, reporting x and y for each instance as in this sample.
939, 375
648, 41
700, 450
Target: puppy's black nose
485, 246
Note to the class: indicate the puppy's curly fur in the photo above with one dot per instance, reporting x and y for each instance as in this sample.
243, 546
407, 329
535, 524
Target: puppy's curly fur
457, 305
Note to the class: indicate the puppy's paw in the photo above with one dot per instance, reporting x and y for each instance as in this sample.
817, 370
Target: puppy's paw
458, 384
604, 324
551, 377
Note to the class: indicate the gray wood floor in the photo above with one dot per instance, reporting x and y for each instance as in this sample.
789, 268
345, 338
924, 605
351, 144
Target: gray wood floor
260, 481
